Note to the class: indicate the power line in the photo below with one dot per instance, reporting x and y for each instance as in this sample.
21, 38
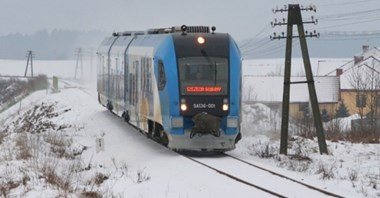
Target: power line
345, 4
273, 49
256, 45
346, 24
263, 47
364, 12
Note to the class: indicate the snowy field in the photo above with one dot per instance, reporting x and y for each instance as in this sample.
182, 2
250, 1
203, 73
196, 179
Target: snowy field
62, 68
49, 149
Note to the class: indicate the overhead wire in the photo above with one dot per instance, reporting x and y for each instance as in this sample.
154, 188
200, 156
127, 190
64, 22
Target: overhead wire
263, 47
346, 24
265, 44
252, 40
272, 50
346, 3
258, 45
350, 15
345, 36
269, 47
359, 17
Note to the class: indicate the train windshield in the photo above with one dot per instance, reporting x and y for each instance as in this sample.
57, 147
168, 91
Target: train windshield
203, 75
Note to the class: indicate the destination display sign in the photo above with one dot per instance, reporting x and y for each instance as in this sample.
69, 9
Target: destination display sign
202, 89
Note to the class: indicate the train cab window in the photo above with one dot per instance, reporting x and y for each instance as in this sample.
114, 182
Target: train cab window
198, 73
161, 75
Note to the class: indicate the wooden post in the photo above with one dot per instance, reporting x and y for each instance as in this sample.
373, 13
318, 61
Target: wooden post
295, 18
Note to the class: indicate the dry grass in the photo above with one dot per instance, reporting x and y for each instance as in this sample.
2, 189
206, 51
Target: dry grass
50, 159
334, 133
366, 137
24, 151
326, 171
59, 143
90, 194
371, 137
44, 150
266, 151
6, 188
142, 177
100, 178
3, 134
14, 89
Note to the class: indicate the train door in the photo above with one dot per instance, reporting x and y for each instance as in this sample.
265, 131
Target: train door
133, 87
146, 93
140, 86
126, 87
118, 85
116, 79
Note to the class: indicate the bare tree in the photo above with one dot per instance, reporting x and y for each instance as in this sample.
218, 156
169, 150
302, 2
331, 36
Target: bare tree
251, 94
365, 79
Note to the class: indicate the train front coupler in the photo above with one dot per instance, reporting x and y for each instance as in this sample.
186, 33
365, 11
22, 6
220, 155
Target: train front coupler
205, 123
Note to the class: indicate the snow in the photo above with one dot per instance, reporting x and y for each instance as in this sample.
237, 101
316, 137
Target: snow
60, 68
132, 165
127, 153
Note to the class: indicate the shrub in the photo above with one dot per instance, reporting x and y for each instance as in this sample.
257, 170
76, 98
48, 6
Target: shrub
38, 83
342, 111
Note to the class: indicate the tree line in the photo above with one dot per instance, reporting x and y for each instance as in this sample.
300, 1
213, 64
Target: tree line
53, 45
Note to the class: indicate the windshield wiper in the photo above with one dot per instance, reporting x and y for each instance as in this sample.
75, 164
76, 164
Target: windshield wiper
210, 65
215, 73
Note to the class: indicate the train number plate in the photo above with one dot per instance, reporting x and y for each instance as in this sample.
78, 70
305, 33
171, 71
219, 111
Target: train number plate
204, 106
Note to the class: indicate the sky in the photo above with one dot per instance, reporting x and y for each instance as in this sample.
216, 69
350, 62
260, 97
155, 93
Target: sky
243, 19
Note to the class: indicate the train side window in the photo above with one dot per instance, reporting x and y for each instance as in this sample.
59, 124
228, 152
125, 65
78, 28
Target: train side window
161, 75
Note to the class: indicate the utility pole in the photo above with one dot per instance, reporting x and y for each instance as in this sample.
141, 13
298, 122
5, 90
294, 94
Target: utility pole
295, 18
29, 60
79, 54
91, 66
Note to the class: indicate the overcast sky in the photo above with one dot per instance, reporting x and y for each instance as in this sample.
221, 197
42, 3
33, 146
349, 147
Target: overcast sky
241, 18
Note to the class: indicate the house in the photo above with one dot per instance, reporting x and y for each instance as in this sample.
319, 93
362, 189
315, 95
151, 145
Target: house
269, 91
360, 83
354, 82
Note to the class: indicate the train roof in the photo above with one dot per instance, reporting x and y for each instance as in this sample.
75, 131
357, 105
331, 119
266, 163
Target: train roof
118, 41
168, 30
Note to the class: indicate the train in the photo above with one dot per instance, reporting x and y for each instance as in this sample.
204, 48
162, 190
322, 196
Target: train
179, 85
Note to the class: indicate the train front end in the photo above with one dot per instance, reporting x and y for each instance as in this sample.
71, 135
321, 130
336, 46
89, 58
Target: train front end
209, 73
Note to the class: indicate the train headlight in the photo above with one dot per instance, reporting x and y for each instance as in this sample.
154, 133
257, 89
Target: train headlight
225, 104
232, 122
225, 107
201, 40
183, 107
177, 122
183, 104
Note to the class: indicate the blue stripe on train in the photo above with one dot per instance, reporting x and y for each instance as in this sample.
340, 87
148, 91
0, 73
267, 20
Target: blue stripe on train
169, 97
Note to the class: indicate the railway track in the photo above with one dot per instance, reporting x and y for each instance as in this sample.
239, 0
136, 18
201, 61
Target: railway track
285, 177
260, 178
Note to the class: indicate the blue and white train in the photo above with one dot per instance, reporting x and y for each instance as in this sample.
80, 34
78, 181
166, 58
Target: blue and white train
180, 85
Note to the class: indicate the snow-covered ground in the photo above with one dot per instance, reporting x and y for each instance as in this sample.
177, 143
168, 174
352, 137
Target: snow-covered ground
49, 149
129, 166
